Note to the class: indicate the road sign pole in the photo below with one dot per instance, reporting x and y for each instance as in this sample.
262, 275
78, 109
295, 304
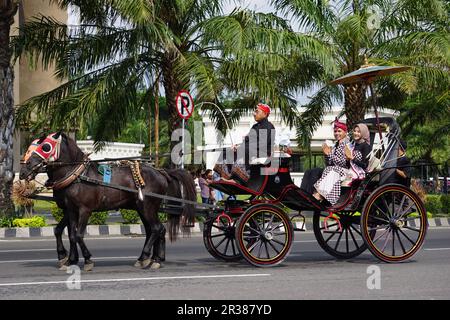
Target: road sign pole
182, 145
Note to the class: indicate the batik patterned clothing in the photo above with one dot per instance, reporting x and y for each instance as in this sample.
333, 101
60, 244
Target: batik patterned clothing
335, 172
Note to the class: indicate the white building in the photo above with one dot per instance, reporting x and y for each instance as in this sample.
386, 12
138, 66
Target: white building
324, 132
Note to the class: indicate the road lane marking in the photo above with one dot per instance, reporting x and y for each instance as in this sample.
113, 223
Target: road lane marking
138, 279
54, 260
26, 250
437, 249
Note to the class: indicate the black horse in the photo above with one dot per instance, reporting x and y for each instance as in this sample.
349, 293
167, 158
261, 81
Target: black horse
64, 163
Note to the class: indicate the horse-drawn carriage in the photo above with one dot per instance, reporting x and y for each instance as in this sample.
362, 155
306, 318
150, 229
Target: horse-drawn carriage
388, 219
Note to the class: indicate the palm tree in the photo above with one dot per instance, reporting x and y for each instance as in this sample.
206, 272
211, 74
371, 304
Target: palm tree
8, 9
388, 32
190, 44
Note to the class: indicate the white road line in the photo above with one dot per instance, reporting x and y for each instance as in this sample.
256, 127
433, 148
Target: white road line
437, 249
49, 260
86, 239
26, 250
137, 279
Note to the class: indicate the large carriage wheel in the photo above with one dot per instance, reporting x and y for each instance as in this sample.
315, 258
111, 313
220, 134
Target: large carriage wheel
342, 236
390, 212
219, 239
264, 235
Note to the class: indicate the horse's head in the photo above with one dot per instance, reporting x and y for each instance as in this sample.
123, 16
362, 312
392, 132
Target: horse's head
40, 153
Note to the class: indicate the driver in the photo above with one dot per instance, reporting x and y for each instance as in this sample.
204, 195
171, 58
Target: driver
257, 144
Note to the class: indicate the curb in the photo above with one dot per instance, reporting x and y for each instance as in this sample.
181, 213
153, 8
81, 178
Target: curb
138, 229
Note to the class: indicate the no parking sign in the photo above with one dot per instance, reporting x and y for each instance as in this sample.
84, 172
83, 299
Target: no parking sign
185, 104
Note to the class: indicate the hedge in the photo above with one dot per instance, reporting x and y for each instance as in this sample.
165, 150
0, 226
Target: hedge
437, 204
34, 222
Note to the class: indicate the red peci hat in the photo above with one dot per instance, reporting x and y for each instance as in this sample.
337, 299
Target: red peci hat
340, 125
264, 107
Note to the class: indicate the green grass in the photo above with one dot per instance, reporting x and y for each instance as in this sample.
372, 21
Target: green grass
42, 205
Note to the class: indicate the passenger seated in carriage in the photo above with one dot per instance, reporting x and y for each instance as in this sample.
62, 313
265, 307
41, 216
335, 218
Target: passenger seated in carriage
249, 151
344, 160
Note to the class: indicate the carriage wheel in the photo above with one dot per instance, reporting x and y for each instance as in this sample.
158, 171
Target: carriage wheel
390, 212
219, 239
264, 235
342, 239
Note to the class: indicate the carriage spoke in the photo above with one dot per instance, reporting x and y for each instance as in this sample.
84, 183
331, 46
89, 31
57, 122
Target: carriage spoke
220, 242
278, 241
226, 246
387, 206
257, 224
252, 229
400, 240
331, 225
346, 240
353, 237
251, 236
332, 235
406, 236
357, 231
379, 219
267, 250
250, 249
273, 247
220, 228
338, 241
387, 240
378, 238
269, 224
411, 228
403, 214
381, 211
217, 235
377, 228
233, 248
393, 243
259, 250
278, 226
402, 203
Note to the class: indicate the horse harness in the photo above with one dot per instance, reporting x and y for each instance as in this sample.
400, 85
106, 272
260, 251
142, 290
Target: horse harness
79, 174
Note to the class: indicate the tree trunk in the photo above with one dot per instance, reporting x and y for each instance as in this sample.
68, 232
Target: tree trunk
8, 9
157, 122
354, 106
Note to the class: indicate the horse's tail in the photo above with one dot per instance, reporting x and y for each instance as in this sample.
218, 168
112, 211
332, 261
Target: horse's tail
181, 186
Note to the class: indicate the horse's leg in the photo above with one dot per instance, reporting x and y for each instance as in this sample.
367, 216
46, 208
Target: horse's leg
156, 230
73, 251
159, 248
82, 223
148, 232
59, 229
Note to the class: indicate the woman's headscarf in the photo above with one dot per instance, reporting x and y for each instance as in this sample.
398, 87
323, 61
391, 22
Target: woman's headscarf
365, 134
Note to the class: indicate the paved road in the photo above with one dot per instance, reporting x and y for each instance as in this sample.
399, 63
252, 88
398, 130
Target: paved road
27, 271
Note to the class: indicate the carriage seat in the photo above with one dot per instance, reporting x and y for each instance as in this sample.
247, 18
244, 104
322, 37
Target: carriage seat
255, 185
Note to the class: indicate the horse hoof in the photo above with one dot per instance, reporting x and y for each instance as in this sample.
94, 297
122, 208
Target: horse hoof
62, 262
146, 263
64, 267
88, 266
138, 264
155, 265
